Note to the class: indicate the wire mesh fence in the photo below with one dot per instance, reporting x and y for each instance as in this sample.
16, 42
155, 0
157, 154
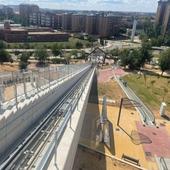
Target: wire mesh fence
20, 85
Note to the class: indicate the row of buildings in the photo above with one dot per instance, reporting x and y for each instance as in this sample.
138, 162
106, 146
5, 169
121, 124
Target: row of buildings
97, 24
163, 16
6, 12
13, 33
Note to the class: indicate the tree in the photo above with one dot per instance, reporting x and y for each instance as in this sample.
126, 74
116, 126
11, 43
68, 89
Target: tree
83, 55
4, 56
74, 52
56, 50
79, 45
145, 53
2, 45
114, 52
41, 55
149, 28
164, 61
124, 57
24, 60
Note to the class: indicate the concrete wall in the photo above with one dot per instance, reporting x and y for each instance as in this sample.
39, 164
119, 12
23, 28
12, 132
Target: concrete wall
13, 124
67, 146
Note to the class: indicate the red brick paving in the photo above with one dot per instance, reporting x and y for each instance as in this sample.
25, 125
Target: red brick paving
105, 75
160, 138
119, 72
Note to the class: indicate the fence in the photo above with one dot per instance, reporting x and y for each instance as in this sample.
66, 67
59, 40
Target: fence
17, 86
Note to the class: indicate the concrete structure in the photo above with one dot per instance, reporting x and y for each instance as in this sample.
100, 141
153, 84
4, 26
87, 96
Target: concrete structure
67, 146
78, 23
163, 16
47, 36
91, 24
20, 34
25, 10
66, 21
16, 121
6, 12
108, 26
133, 30
42, 19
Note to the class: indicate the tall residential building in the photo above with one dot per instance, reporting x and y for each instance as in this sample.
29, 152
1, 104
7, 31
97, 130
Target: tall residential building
163, 16
6, 12
66, 21
58, 21
25, 10
91, 24
78, 23
43, 19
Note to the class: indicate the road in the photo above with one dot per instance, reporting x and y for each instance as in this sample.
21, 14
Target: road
111, 44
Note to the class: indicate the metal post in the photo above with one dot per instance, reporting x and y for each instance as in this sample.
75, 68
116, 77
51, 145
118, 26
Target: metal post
49, 76
120, 109
71, 114
37, 81
55, 155
1, 97
15, 91
25, 89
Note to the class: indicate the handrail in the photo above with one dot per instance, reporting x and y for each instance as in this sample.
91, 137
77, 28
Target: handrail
163, 163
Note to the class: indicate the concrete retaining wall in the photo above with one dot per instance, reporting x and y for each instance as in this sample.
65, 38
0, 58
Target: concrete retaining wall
14, 123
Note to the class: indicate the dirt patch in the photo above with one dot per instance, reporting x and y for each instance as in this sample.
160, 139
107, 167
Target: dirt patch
111, 90
8, 67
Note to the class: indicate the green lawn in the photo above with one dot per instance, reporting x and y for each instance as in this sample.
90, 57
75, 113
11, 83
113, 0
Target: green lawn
152, 92
70, 44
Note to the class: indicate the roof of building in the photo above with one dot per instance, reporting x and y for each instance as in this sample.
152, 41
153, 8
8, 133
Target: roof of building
44, 33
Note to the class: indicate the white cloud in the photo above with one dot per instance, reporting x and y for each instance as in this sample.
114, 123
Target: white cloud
114, 5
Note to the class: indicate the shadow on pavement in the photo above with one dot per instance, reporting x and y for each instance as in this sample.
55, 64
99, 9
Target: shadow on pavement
86, 158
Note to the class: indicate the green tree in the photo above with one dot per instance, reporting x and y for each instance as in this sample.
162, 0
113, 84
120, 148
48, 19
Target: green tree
41, 55
2, 45
74, 52
123, 55
79, 45
145, 53
24, 60
114, 52
4, 56
56, 50
164, 61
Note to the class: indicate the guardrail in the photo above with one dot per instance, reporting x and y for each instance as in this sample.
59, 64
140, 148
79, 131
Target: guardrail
163, 164
43, 164
16, 87
70, 94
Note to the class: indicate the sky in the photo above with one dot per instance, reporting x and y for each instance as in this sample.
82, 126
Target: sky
108, 5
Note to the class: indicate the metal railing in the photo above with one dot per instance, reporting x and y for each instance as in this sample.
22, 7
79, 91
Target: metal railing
75, 94
15, 87
163, 164
60, 130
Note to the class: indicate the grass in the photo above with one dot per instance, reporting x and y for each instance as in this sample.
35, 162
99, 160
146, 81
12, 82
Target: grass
71, 44
152, 91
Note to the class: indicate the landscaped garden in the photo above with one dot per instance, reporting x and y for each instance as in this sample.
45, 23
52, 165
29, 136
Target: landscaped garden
152, 89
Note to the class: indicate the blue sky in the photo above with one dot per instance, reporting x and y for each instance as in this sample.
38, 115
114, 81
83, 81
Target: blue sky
113, 5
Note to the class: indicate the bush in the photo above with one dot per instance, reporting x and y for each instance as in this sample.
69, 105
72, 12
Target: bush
58, 61
79, 45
